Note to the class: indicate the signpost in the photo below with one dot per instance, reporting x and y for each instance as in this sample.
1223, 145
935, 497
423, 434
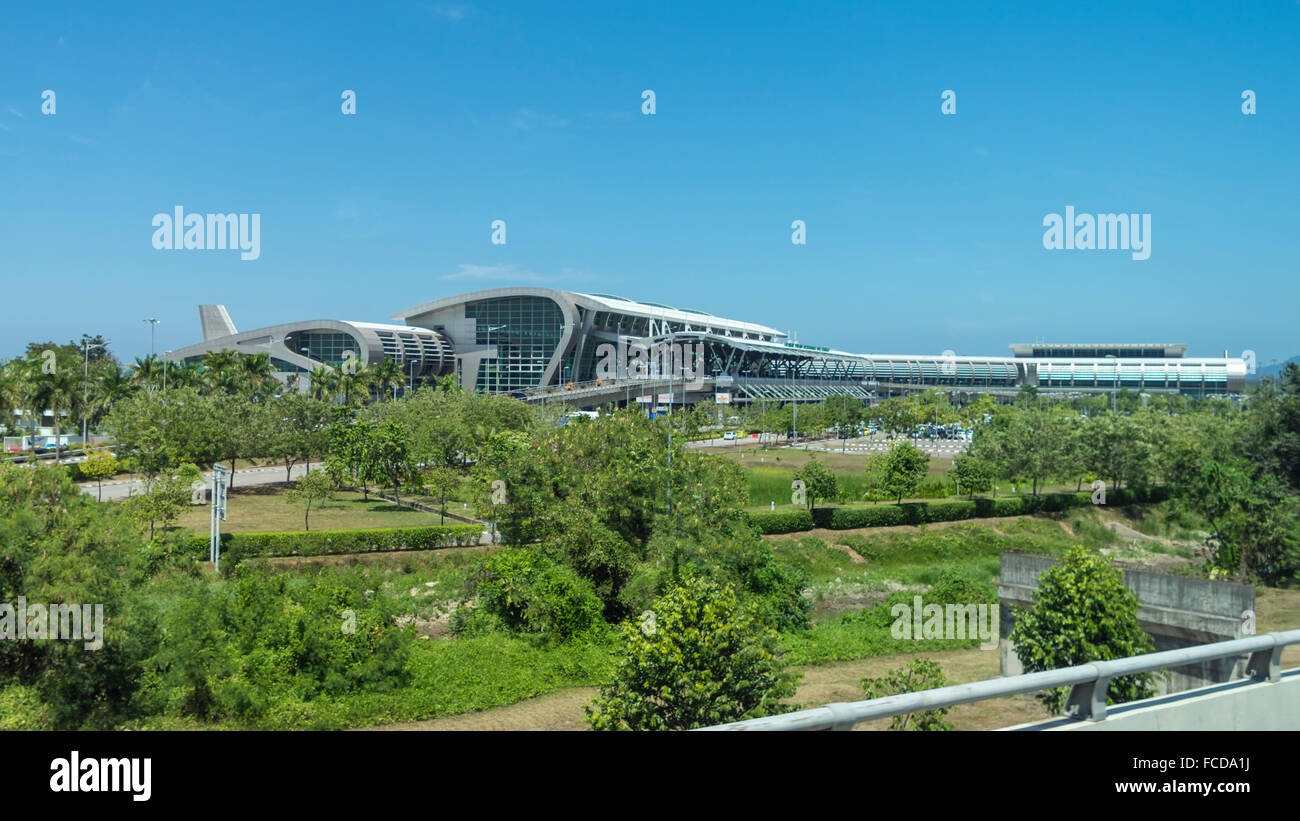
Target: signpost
220, 483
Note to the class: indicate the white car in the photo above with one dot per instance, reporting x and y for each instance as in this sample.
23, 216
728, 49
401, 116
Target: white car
729, 436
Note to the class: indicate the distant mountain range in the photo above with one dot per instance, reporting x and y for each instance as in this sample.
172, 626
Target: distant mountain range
1262, 370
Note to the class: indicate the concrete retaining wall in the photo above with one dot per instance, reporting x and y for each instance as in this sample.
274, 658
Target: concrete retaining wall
1176, 611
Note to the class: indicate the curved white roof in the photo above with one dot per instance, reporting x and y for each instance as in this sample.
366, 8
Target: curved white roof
658, 311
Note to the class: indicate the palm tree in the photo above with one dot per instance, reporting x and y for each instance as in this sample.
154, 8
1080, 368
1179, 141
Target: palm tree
11, 389
219, 372
349, 380
447, 383
386, 376
146, 373
188, 375
113, 384
324, 382
257, 373
28, 394
58, 392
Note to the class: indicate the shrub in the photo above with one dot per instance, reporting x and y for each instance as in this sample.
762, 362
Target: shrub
919, 674
1082, 612
781, 521
236, 547
530, 593
916, 513
697, 659
949, 511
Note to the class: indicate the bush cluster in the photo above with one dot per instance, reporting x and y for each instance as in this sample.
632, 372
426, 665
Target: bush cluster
917, 513
236, 547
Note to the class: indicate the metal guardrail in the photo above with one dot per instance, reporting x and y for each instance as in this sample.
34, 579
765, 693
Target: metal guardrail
1088, 683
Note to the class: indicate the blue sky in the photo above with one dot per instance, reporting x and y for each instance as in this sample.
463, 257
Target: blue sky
924, 231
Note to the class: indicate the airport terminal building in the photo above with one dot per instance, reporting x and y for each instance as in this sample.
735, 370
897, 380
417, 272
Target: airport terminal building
541, 343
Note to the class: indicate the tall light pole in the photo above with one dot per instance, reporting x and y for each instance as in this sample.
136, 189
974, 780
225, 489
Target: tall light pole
85, 382
1114, 386
153, 326
671, 368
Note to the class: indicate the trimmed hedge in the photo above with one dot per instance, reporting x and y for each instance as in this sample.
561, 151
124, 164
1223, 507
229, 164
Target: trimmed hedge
951, 510
781, 521
236, 547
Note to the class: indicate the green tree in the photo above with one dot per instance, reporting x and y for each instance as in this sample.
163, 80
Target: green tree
100, 463
163, 500
393, 462
441, 480
353, 455
1082, 612
876, 470
819, 481
905, 469
1254, 520
296, 429
696, 659
60, 547
844, 414
316, 486
972, 473
920, 674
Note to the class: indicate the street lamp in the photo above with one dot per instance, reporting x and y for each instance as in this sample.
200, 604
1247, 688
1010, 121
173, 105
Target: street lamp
497, 378
671, 368
85, 382
1114, 386
153, 326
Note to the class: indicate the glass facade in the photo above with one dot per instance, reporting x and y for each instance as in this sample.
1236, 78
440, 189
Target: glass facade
324, 346
525, 330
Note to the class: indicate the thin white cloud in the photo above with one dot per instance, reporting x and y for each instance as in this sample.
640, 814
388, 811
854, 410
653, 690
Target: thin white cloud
512, 272
17, 113
515, 274
527, 119
85, 140
453, 12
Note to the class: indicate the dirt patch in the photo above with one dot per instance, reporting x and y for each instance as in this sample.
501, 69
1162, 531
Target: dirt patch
821, 685
553, 711
829, 536
437, 627
852, 554
843, 682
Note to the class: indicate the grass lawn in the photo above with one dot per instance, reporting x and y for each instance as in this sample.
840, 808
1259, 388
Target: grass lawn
263, 508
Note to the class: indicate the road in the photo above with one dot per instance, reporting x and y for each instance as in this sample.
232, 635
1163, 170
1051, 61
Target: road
245, 477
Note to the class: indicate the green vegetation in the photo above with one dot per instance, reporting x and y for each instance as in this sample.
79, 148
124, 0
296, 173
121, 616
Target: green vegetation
919, 674
697, 658
607, 528
818, 481
1082, 612
260, 508
239, 546
318, 486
